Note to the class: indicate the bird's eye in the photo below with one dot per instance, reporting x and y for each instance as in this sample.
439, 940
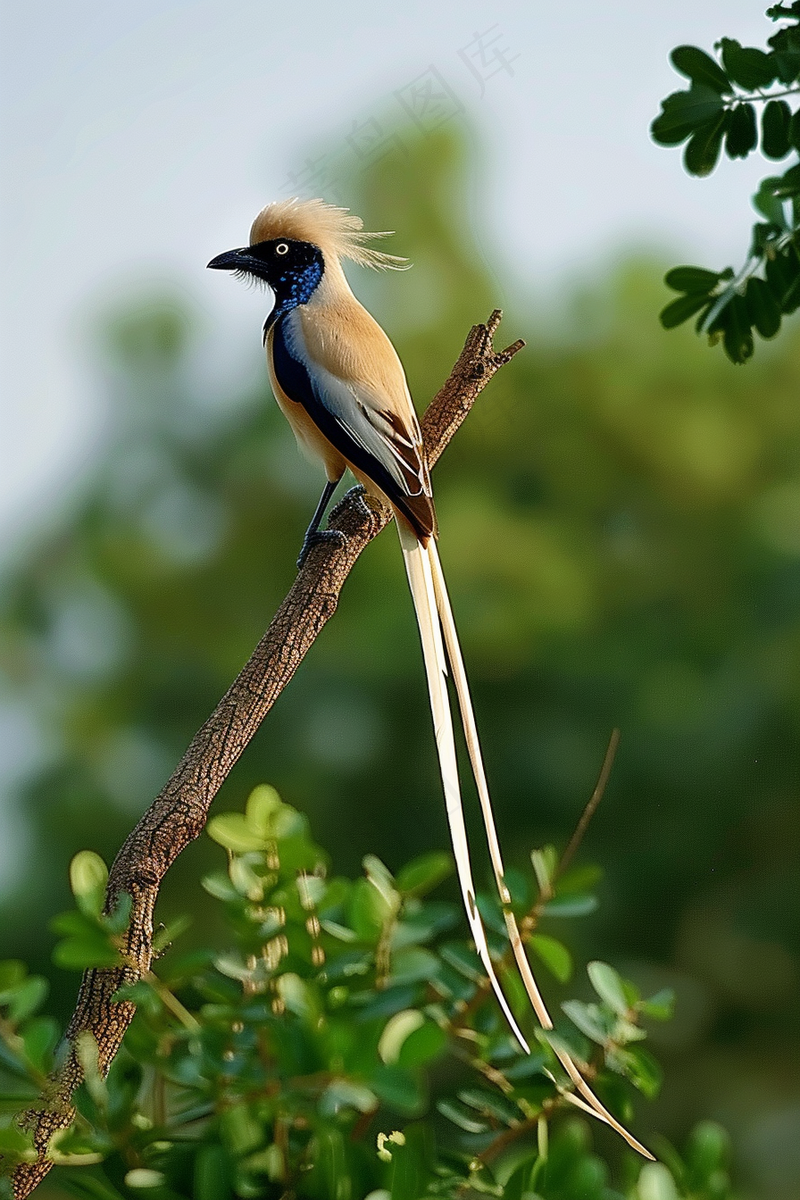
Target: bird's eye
281, 248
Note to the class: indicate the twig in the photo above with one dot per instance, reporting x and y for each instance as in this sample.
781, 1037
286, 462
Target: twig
591, 807
179, 812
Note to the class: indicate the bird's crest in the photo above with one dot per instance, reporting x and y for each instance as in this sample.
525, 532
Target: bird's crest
336, 231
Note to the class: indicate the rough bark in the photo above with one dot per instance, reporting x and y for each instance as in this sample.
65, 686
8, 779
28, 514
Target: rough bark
180, 811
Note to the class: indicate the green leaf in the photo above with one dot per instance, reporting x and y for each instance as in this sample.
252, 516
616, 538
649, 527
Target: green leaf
625, 1032
787, 66
382, 880
424, 873
340, 932
88, 876
684, 112
244, 877
656, 1183
465, 961
39, 1037
219, 886
12, 973
783, 277
555, 956
117, 920
775, 129
609, 986
240, 1129
678, 311
460, 1115
526, 1066
211, 1174
763, 308
583, 878
296, 994
590, 1019
708, 1152
639, 1066
395, 1032
263, 805
77, 924
701, 68
398, 1089
745, 65
422, 1045
370, 909
703, 148
571, 906
658, 1007
144, 1177
77, 954
742, 135
413, 964
410, 1164
691, 279
27, 998
769, 202
545, 865
331, 1175
88, 1054
89, 1187
490, 1104
794, 127
737, 331
233, 832
15, 1144
343, 1094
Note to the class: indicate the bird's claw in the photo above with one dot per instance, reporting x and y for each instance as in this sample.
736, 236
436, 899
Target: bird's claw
356, 496
320, 536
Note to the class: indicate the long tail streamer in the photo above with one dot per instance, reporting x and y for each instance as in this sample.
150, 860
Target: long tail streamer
434, 615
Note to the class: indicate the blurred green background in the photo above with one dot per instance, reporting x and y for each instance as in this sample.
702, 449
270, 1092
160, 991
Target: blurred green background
620, 527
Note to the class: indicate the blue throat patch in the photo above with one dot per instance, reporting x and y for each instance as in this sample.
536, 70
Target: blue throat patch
296, 286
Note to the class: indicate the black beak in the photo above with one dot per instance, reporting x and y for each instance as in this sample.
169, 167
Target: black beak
231, 260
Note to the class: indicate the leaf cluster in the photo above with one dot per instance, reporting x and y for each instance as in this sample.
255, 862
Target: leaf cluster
346, 1043
740, 100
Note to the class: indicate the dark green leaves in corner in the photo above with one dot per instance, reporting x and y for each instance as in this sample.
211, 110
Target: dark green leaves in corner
731, 309
726, 105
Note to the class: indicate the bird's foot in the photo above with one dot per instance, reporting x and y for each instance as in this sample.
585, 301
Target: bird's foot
319, 536
356, 496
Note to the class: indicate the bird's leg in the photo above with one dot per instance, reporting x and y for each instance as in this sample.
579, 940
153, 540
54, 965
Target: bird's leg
314, 534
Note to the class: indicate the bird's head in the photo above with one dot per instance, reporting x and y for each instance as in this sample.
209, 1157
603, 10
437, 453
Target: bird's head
292, 268
293, 243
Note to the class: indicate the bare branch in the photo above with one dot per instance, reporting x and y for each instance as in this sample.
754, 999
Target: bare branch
179, 812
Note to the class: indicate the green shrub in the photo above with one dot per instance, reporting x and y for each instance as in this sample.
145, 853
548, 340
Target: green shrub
345, 1043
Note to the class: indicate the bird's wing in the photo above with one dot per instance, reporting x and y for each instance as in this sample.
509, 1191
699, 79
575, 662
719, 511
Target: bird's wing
355, 413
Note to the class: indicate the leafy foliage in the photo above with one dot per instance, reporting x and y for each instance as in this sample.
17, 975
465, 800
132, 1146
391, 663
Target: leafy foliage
720, 107
345, 1043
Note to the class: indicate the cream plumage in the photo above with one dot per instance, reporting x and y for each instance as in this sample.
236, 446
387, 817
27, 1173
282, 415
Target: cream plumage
341, 385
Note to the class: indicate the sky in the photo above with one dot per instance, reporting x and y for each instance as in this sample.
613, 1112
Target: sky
139, 140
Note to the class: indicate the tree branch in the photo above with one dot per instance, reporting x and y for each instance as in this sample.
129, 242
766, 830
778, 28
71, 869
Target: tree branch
179, 812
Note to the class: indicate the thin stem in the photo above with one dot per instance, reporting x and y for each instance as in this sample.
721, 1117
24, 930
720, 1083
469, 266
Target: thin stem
739, 98
591, 807
171, 1001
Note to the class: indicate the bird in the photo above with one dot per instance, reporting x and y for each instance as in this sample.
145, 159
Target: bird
340, 383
